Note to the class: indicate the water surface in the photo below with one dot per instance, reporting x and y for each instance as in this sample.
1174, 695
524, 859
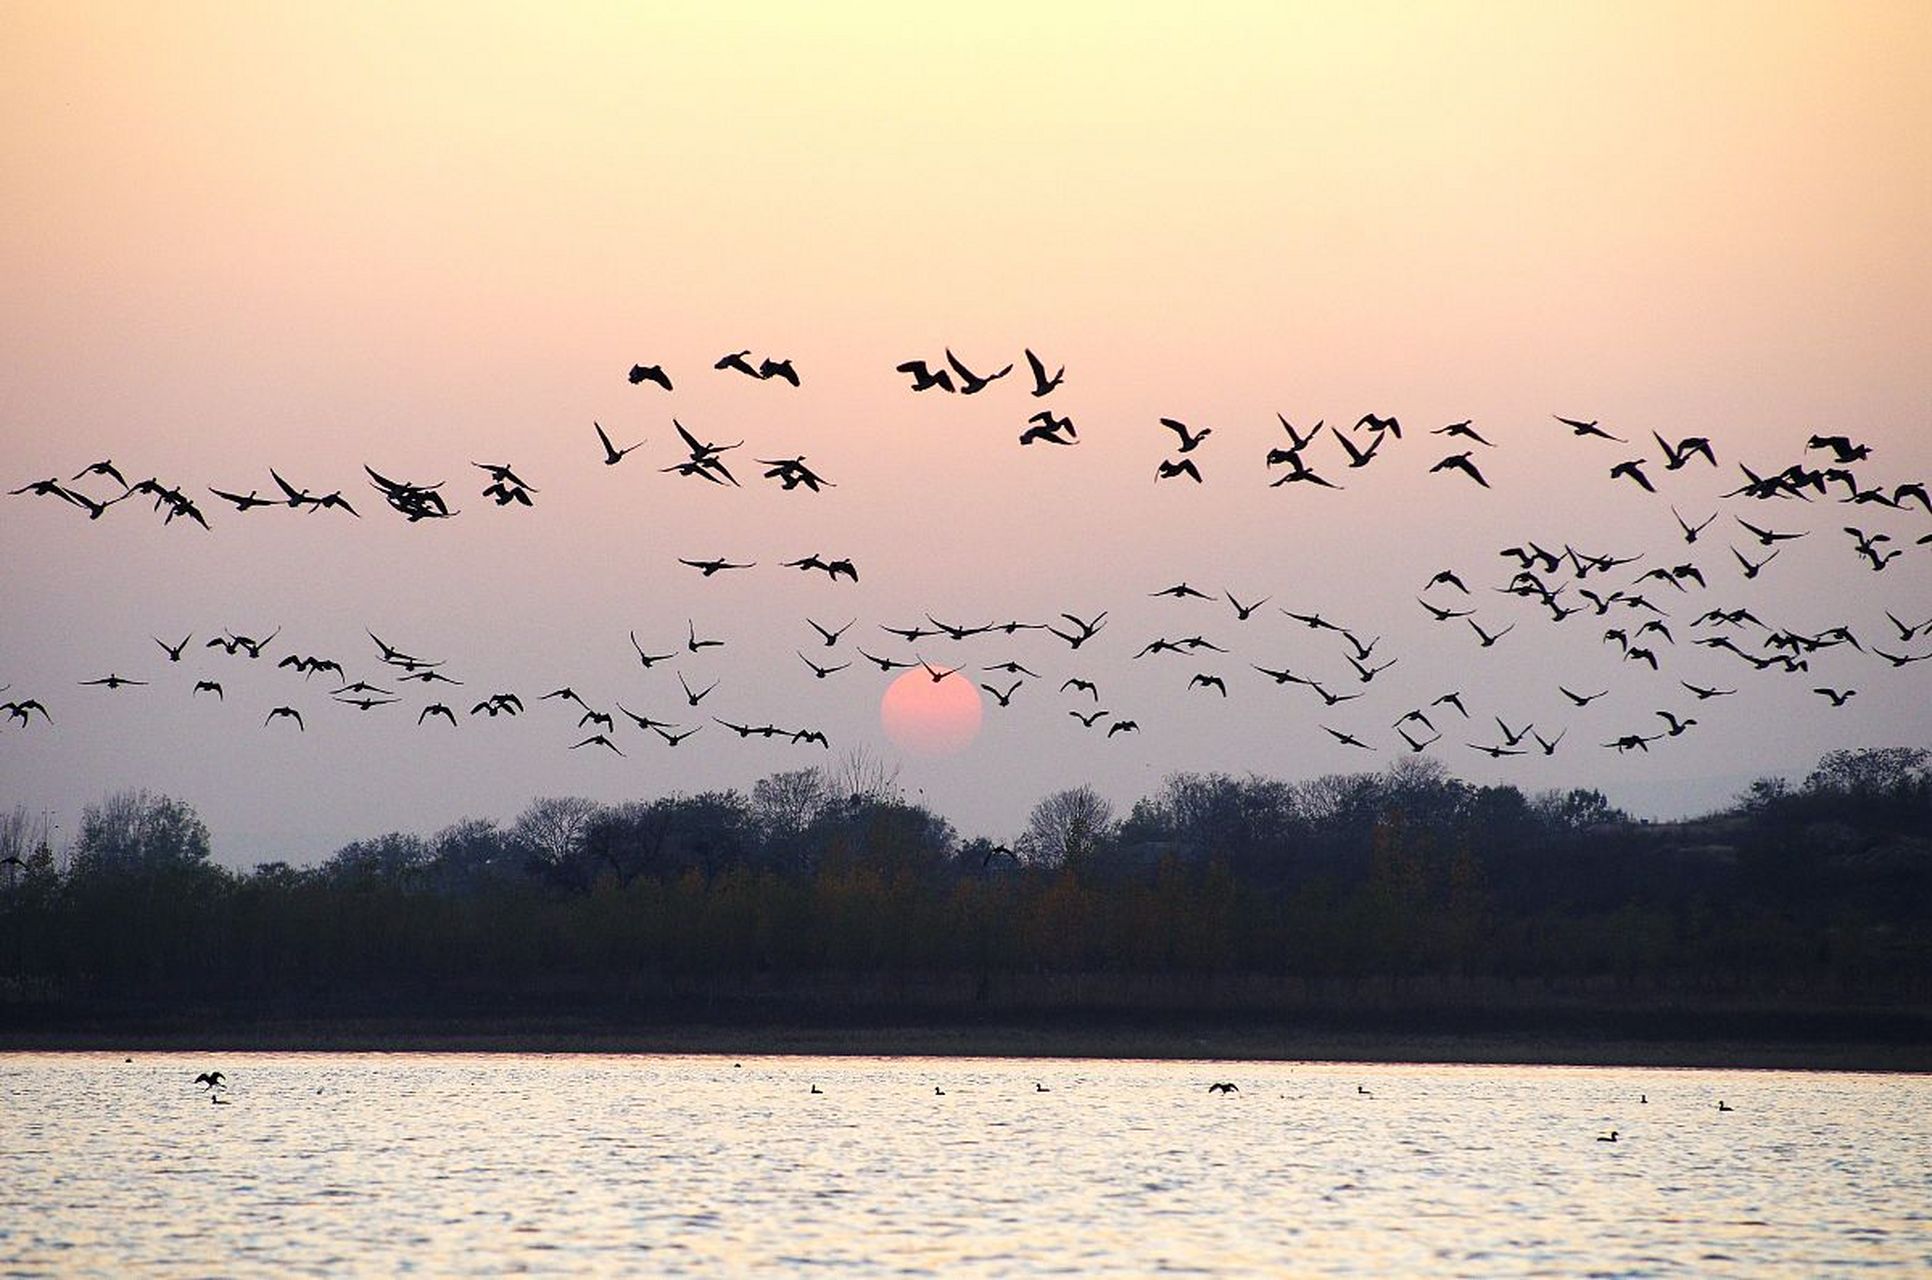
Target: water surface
453, 1164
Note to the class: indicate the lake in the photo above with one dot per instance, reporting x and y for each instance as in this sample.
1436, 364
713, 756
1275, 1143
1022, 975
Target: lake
449, 1164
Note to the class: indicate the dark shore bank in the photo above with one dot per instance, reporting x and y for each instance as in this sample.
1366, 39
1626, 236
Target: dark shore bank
1813, 1038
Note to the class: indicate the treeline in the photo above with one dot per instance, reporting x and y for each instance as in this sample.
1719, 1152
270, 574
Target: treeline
832, 886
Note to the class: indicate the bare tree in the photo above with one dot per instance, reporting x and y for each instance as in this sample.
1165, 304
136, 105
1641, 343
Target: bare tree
552, 829
863, 777
1067, 826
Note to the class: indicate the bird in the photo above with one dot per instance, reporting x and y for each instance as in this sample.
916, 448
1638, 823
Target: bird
1489, 640
1181, 591
1189, 439
1363, 1091
821, 672
1346, 739
925, 378
710, 567
736, 360
612, 454
694, 698
971, 383
1841, 447
1079, 685
1223, 1086
1359, 457
1185, 467
780, 369
208, 686
694, 644
1004, 699
1042, 384
1242, 611
23, 711
830, 637
1632, 469
1724, 1106
598, 740
936, 673
211, 1080
1607, 1137
1589, 428
1204, 681
1692, 530
112, 681
174, 650
1087, 721
1838, 697
1047, 430
1676, 456
650, 373
1040, 1088
437, 709
289, 713
650, 660
1460, 462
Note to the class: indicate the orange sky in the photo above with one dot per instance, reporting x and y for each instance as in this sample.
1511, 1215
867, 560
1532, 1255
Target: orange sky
247, 236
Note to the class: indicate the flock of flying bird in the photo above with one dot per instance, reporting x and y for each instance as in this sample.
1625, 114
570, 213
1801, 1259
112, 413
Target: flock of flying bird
1621, 593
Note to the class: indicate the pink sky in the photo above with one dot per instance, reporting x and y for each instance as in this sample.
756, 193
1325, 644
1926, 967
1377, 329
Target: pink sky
239, 238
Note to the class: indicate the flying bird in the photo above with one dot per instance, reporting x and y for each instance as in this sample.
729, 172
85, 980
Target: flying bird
1041, 383
1589, 428
612, 454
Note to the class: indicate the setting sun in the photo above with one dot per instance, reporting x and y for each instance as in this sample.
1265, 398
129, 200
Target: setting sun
930, 717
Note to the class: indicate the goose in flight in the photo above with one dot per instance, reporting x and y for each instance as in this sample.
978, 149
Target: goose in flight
211, 1080
971, 383
612, 454
694, 698
924, 378
437, 709
1223, 1086
112, 681
650, 373
1462, 430
1242, 611
1078, 685
1360, 457
1047, 430
1692, 530
1632, 470
1185, 467
650, 660
289, 713
1202, 680
1189, 439
174, 650
822, 672
736, 360
780, 369
23, 711
596, 740
1346, 739
1013, 669
1087, 720
694, 644
830, 637
1460, 462
1122, 726
208, 686
1838, 697
886, 664
1181, 591
1689, 447
1042, 384
1589, 428
1087, 629
710, 567
1004, 699
673, 739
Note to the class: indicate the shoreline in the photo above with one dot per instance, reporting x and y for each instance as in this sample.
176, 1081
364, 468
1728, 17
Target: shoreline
1255, 1043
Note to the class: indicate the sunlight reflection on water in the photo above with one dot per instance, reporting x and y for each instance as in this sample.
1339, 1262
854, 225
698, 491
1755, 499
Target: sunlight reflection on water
452, 1164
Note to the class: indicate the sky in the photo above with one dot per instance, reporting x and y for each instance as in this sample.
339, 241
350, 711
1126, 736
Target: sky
314, 238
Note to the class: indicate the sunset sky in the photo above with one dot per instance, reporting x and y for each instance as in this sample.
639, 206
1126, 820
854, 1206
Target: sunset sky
317, 237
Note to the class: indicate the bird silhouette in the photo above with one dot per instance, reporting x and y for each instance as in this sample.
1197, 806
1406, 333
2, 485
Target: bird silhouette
111, 681
1633, 470
208, 686
818, 671
924, 378
1005, 699
1589, 428
650, 373
597, 740
1460, 462
1462, 430
971, 383
289, 713
612, 454
1122, 726
1042, 384
174, 650
1189, 439
1185, 467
